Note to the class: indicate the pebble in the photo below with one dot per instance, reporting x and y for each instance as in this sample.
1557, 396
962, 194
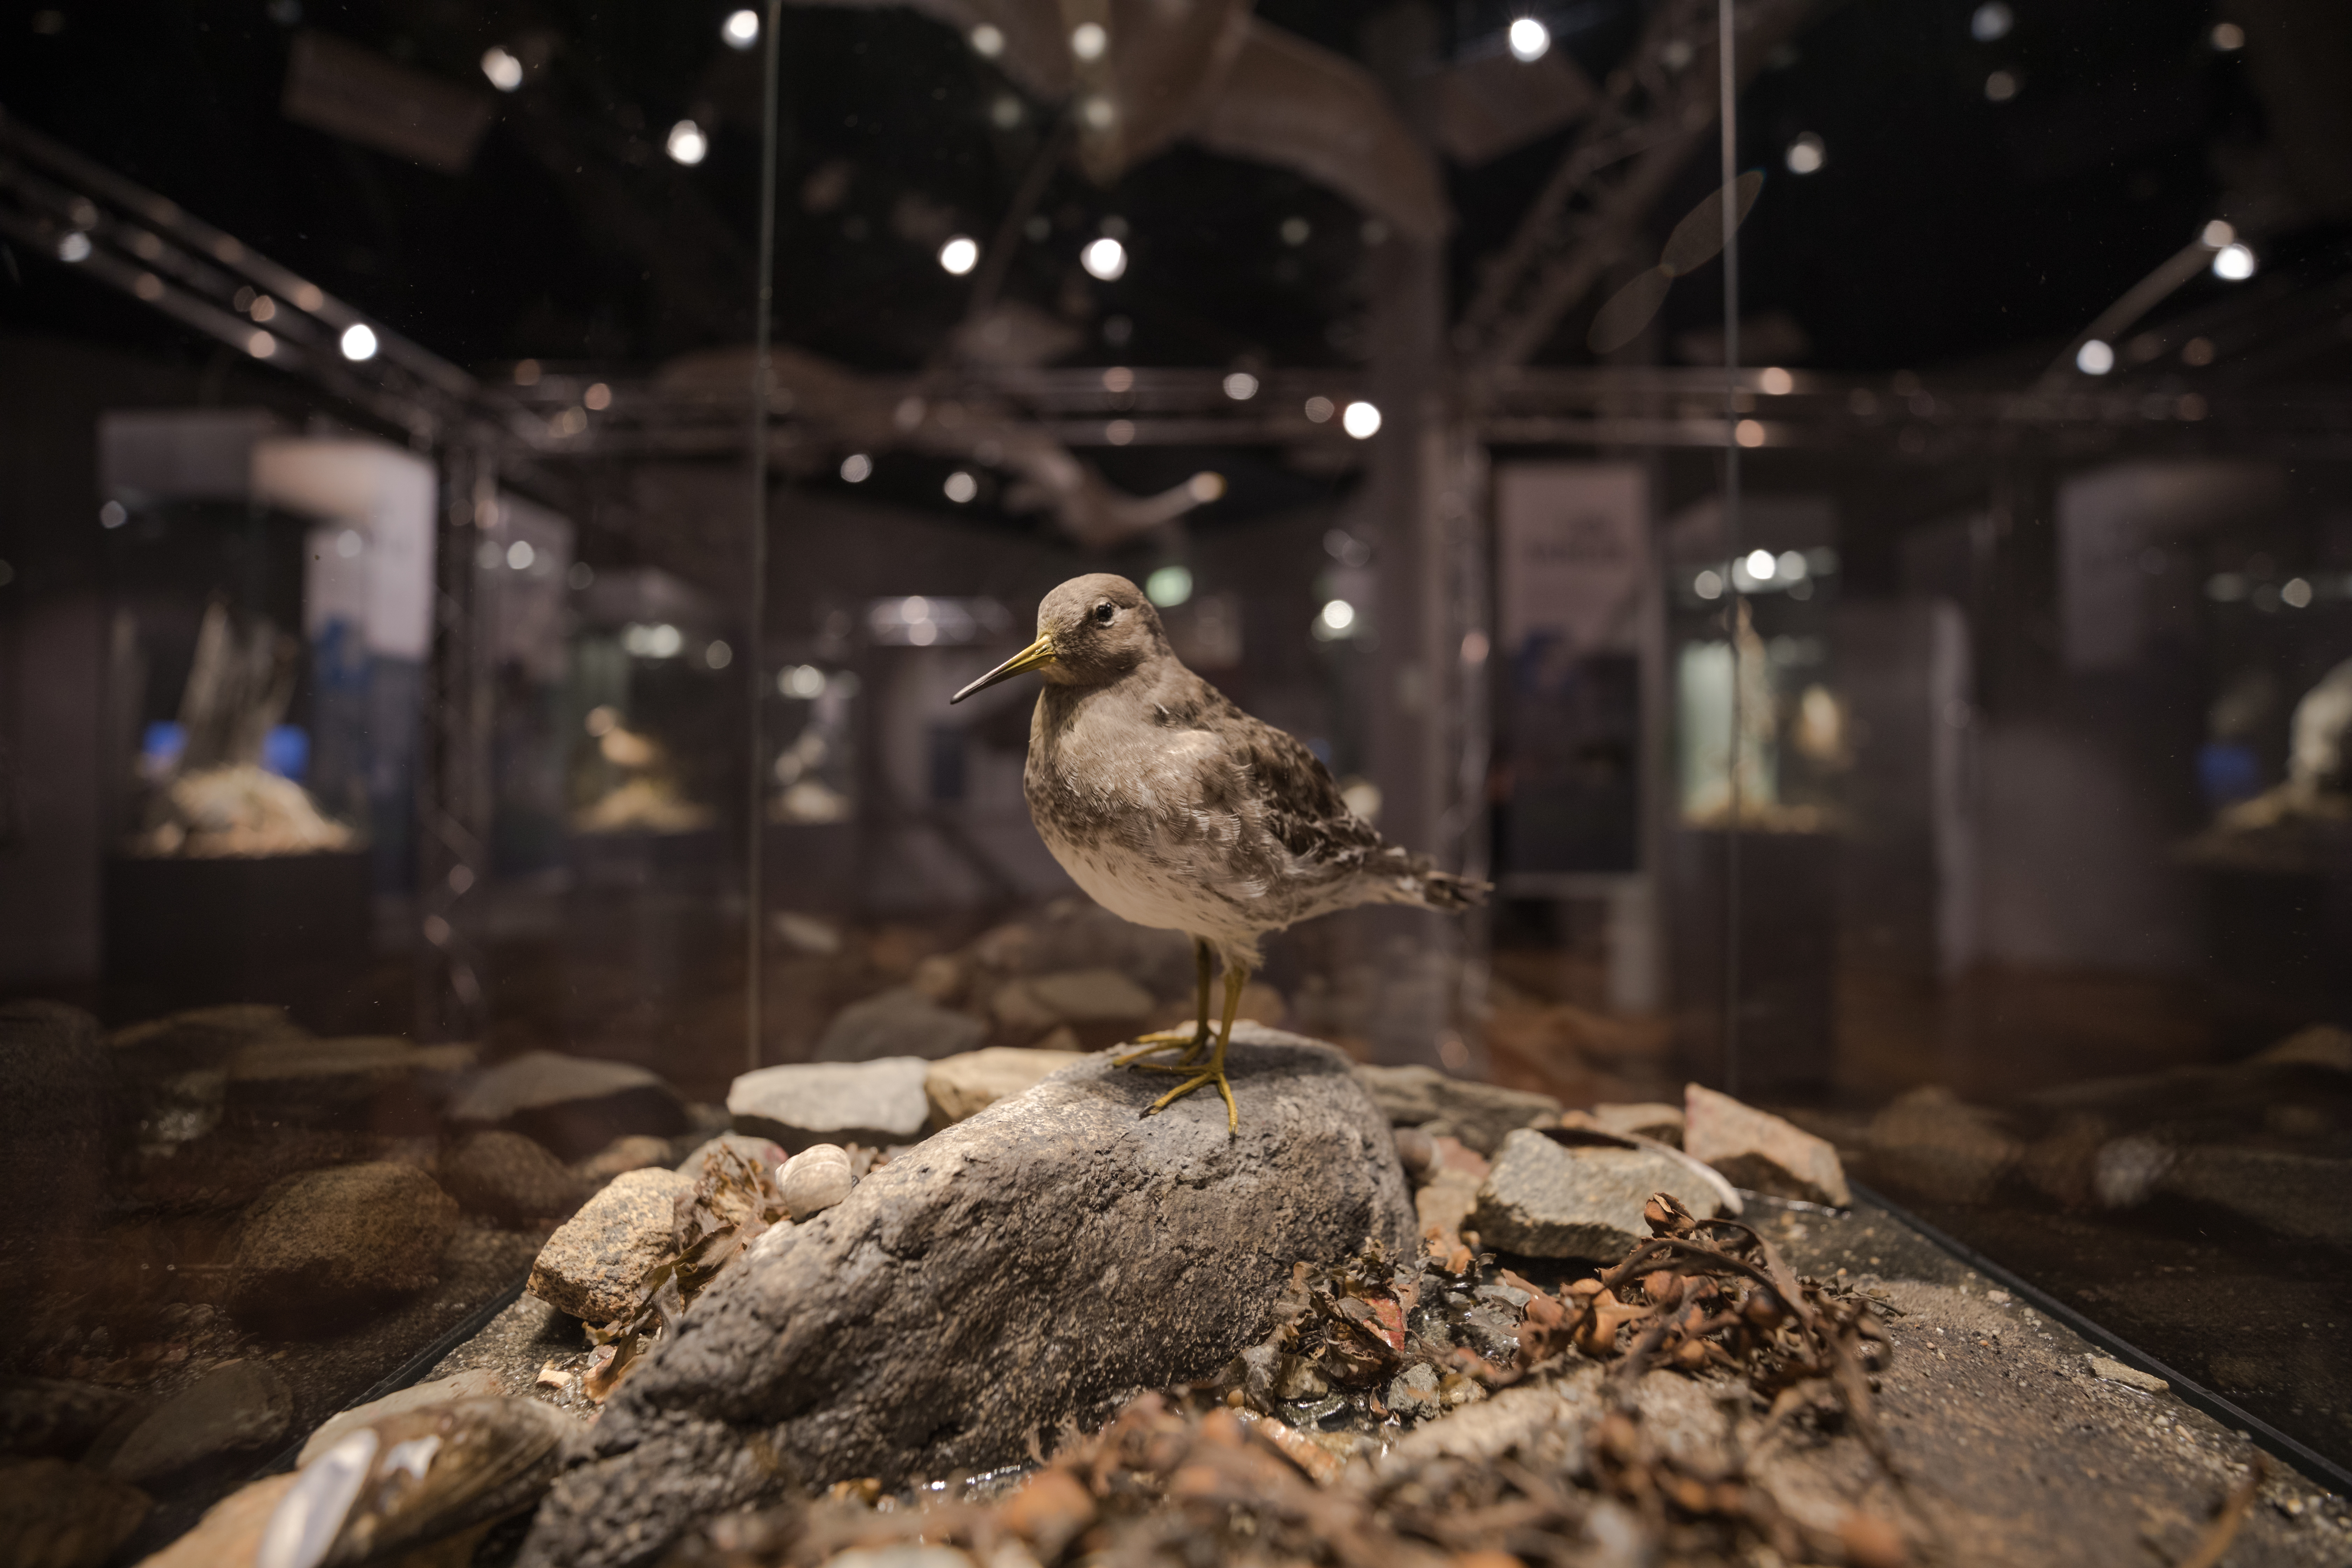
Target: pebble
2129, 1377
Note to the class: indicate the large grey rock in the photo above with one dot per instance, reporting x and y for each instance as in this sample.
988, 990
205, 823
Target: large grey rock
592, 1265
1760, 1152
962, 1086
1546, 1200
239, 1407
1024, 1268
509, 1177
574, 1105
900, 1022
60, 1087
326, 1240
878, 1102
1479, 1114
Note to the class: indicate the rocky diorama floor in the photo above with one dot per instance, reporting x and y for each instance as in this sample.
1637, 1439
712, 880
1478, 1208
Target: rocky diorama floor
2008, 1447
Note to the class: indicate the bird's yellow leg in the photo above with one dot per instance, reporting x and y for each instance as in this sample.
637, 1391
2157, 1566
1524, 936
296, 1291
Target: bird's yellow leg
1235, 978
1195, 1039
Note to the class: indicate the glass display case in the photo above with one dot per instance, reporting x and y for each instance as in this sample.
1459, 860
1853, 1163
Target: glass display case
1754, 591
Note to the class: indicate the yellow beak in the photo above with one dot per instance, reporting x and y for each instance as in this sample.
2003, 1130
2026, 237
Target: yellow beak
1030, 657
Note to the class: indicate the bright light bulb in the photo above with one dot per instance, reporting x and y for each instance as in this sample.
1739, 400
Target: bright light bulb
2233, 263
1362, 420
504, 70
1708, 584
1168, 587
359, 342
857, 469
261, 345
1241, 386
1776, 382
1762, 565
2218, 234
2001, 87
2296, 593
1806, 154
74, 246
959, 255
1319, 410
1088, 41
2095, 358
1529, 39
1105, 259
988, 40
520, 556
741, 29
719, 655
1991, 22
1337, 615
686, 143
961, 487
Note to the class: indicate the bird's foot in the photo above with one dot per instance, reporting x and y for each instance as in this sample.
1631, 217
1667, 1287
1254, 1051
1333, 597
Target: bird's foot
1192, 1041
1206, 1076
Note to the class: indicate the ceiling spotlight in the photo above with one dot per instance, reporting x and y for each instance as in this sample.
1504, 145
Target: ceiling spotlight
987, 41
1318, 409
2218, 234
2001, 87
2228, 37
686, 143
1529, 40
359, 342
1168, 587
959, 255
1362, 420
260, 345
1294, 230
1762, 565
741, 29
2095, 358
857, 469
504, 70
961, 487
1241, 386
1105, 259
74, 246
1991, 22
2233, 263
1806, 155
1088, 41
1337, 615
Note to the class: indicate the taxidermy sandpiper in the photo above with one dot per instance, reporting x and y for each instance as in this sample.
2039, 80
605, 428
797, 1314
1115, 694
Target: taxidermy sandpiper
1173, 808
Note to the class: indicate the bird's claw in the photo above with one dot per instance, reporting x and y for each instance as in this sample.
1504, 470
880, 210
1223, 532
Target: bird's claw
1213, 1075
1192, 1041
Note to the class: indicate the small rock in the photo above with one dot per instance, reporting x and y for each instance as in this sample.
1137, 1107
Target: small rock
630, 1151
56, 1515
878, 1102
553, 1377
2125, 1172
339, 1237
480, 1383
1415, 1390
511, 1177
2303, 1197
1479, 1114
2129, 1377
1546, 1201
592, 1265
966, 1085
342, 1082
238, 1407
1760, 1152
1417, 1152
1930, 1143
1076, 997
2320, 1046
904, 1554
201, 1037
229, 1535
55, 1419
816, 1179
900, 1022
573, 1105
1648, 1118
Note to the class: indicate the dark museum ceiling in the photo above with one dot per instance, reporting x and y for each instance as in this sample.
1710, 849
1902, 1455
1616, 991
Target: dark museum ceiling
1941, 228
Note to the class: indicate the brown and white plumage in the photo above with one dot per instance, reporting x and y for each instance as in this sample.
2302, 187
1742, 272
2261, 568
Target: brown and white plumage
1172, 807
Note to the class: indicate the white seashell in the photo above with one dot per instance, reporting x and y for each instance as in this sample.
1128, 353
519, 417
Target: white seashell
814, 1179
309, 1517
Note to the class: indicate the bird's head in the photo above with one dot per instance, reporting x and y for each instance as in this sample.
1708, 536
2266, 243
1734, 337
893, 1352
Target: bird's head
1090, 631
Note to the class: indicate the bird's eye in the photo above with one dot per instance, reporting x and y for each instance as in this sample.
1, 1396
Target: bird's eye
1103, 614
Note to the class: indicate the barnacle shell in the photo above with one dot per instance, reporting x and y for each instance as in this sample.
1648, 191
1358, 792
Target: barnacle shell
415, 1478
814, 1179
